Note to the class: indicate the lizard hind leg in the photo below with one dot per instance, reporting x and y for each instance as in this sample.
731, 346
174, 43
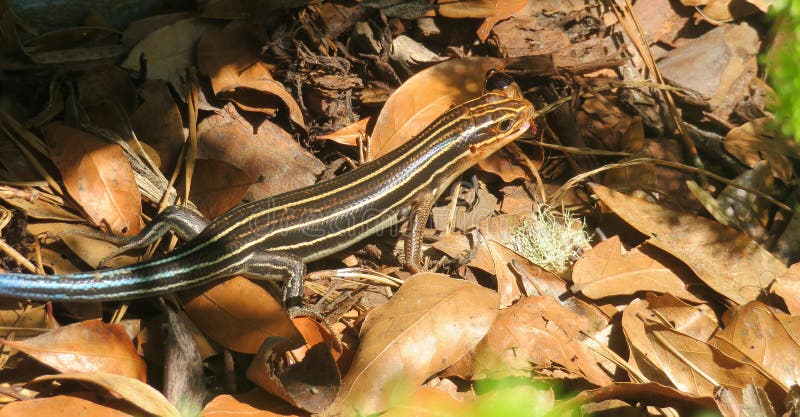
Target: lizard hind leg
184, 222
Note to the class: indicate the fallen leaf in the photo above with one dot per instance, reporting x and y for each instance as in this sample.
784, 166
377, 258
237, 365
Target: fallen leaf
134, 391
238, 314
66, 406
650, 393
230, 58
217, 187
157, 121
608, 270
270, 155
90, 250
424, 97
17, 318
699, 322
787, 286
667, 356
253, 404
725, 259
169, 51
537, 334
310, 383
756, 140
427, 325
492, 10
755, 330
98, 177
349, 134
89, 346
35, 206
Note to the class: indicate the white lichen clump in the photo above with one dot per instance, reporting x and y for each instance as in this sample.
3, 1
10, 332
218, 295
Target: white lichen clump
551, 242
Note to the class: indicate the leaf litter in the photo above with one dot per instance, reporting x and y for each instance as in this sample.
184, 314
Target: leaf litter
679, 288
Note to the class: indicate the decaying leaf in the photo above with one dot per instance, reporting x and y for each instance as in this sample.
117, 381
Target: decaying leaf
85, 405
98, 176
537, 334
756, 330
609, 270
252, 404
238, 314
756, 140
424, 97
169, 51
725, 259
89, 346
427, 325
788, 287
217, 187
270, 155
134, 391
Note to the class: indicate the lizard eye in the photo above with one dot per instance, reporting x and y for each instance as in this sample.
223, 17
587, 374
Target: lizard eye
504, 125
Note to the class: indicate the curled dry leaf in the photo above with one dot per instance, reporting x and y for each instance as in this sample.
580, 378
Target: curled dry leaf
725, 259
427, 325
492, 10
132, 390
98, 177
169, 51
89, 346
238, 314
230, 58
424, 97
766, 336
608, 270
310, 383
537, 334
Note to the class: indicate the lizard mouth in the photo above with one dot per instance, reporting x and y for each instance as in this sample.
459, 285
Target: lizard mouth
502, 140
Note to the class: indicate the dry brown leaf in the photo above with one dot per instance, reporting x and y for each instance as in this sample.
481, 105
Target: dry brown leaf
97, 176
90, 250
788, 287
427, 325
230, 58
755, 141
238, 314
158, 122
756, 331
89, 346
66, 406
699, 321
134, 391
310, 383
253, 404
35, 206
608, 270
349, 134
650, 393
537, 334
508, 287
217, 187
725, 259
169, 51
667, 356
270, 155
493, 10
16, 317
424, 97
